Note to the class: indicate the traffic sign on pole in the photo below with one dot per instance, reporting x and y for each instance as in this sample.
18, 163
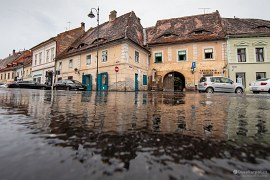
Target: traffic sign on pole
116, 68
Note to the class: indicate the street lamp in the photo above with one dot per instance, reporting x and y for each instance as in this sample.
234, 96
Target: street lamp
92, 15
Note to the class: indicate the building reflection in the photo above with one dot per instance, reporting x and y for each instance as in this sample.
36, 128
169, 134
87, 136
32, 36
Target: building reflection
120, 125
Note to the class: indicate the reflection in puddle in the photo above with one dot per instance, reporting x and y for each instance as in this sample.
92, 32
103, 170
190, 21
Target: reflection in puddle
143, 135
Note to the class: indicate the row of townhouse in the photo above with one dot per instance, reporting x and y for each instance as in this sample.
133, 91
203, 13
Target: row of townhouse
38, 63
170, 56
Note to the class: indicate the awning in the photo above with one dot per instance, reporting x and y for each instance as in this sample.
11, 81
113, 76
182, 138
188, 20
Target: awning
36, 75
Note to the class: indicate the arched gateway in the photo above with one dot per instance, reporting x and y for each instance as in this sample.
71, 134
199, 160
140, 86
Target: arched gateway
174, 81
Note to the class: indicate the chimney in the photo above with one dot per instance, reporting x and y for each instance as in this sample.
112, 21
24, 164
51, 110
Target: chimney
13, 52
112, 15
83, 25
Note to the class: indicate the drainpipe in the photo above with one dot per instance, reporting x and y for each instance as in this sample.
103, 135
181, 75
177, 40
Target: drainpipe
54, 73
228, 51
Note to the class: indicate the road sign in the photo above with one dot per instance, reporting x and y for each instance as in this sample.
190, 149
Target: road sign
193, 66
116, 68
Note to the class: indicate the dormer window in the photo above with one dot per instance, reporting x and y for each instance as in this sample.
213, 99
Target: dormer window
81, 45
168, 35
262, 27
200, 31
70, 48
99, 40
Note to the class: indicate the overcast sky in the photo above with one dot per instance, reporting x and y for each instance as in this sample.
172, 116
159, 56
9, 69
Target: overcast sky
26, 23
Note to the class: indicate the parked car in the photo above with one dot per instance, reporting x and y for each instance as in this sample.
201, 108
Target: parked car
3, 85
261, 85
212, 84
68, 84
28, 85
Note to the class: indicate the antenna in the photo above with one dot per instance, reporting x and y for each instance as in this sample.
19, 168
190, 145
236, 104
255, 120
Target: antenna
204, 9
69, 25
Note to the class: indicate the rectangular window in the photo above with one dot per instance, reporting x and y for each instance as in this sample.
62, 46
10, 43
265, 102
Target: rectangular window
36, 59
60, 66
8, 76
104, 56
5, 76
158, 57
88, 59
60, 78
182, 55
208, 53
70, 65
241, 78
144, 79
260, 75
39, 80
40, 58
52, 54
12, 75
70, 77
241, 55
137, 56
48, 55
259, 55
1, 76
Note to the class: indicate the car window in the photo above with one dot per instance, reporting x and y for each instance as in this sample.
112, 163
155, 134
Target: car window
225, 80
69, 82
203, 79
216, 80
76, 82
59, 82
264, 79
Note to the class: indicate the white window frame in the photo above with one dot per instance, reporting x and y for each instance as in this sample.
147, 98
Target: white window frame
60, 65
86, 62
52, 54
214, 54
154, 57
40, 58
177, 59
136, 60
264, 54
48, 55
70, 63
102, 55
36, 59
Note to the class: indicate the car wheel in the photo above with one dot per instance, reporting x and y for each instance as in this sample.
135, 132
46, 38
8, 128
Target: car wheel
209, 90
68, 88
239, 90
255, 92
43, 88
269, 91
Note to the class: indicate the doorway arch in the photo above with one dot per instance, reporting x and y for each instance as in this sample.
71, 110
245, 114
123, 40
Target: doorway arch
174, 81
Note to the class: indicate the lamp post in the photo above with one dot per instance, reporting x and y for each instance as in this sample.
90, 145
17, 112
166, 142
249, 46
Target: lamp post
92, 15
22, 63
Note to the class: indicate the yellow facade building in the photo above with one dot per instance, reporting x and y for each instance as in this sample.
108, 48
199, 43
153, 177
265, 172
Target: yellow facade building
120, 45
185, 49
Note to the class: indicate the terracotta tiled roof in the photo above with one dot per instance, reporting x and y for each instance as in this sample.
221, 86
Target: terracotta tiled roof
126, 26
63, 40
237, 26
9, 59
184, 29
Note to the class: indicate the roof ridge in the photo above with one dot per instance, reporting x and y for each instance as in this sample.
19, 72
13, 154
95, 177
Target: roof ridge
215, 12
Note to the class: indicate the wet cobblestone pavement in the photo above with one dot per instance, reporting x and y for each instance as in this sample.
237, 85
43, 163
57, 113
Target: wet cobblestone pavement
146, 135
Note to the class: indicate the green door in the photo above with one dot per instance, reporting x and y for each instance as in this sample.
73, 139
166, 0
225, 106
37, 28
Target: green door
136, 82
87, 81
103, 81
